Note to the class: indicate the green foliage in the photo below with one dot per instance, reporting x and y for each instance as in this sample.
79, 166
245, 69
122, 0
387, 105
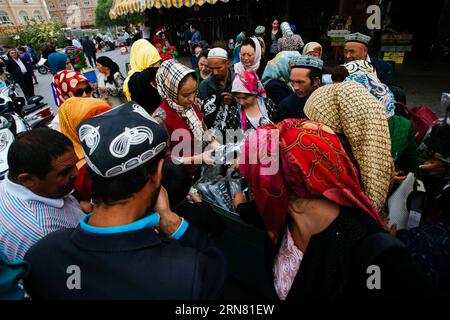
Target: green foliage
102, 18
36, 34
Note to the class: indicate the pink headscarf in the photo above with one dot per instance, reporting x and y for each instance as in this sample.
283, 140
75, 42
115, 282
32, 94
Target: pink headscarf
248, 82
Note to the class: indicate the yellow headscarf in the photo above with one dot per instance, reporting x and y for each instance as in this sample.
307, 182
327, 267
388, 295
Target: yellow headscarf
143, 55
72, 112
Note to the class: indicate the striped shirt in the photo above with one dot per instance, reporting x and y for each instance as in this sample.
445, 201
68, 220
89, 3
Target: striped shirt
26, 217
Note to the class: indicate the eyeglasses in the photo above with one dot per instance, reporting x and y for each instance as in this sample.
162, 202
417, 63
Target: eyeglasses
79, 92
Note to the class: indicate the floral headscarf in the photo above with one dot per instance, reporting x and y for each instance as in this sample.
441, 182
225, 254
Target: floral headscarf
363, 72
65, 83
312, 164
278, 68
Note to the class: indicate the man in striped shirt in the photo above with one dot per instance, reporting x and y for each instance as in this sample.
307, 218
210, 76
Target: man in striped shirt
35, 197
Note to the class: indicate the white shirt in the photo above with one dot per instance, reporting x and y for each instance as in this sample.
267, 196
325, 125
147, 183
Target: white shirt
76, 43
21, 65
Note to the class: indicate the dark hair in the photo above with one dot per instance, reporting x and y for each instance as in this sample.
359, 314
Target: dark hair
33, 152
113, 67
339, 73
176, 181
109, 191
313, 73
196, 46
204, 54
193, 25
21, 49
248, 42
192, 75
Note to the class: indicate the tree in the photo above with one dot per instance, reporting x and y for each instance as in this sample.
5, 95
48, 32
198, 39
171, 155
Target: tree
102, 18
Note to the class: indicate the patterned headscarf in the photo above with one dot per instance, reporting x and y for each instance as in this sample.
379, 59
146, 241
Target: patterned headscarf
348, 108
168, 79
310, 46
143, 55
312, 164
278, 68
286, 29
239, 67
65, 83
363, 72
248, 82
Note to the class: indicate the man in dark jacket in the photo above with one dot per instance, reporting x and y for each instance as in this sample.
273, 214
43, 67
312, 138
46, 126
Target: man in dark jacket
132, 246
89, 50
20, 71
357, 48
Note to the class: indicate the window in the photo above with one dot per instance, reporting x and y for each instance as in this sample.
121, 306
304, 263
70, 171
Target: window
23, 17
17, 1
37, 16
51, 5
75, 2
4, 18
63, 4
86, 2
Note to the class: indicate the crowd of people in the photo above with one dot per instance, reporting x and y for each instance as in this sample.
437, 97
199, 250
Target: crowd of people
110, 192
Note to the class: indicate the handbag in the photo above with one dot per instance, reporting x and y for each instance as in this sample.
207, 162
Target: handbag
421, 117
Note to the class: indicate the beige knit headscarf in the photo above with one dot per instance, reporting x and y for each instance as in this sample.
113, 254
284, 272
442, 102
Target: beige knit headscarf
349, 108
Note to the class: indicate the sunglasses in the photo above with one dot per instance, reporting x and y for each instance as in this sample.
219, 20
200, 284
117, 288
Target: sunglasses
79, 92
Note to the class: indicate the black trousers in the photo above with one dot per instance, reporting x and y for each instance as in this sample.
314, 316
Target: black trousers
27, 85
94, 58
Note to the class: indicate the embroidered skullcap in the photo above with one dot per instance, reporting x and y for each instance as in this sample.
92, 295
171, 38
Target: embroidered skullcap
358, 37
218, 53
121, 140
260, 30
306, 62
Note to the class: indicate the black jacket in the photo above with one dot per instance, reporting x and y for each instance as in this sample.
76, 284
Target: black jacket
128, 265
385, 71
13, 68
88, 47
142, 91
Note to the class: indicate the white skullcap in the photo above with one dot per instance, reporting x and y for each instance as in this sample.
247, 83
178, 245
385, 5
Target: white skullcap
218, 53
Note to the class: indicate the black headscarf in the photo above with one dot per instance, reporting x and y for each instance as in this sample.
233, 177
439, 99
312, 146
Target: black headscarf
113, 67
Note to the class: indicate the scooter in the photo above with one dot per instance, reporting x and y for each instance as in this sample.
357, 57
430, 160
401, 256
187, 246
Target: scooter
35, 112
11, 124
42, 66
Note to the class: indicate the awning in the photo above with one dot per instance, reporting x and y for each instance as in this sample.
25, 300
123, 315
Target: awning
122, 7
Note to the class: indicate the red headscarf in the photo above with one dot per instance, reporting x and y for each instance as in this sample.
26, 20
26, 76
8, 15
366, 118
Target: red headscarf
309, 159
65, 83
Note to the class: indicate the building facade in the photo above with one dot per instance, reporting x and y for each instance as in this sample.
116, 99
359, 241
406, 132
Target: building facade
66, 12
17, 12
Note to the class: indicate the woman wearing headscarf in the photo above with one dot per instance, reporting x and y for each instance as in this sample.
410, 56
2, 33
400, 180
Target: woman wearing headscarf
58, 62
237, 47
319, 219
109, 81
69, 83
276, 76
349, 109
71, 112
140, 84
254, 108
250, 56
180, 112
289, 41
312, 49
403, 141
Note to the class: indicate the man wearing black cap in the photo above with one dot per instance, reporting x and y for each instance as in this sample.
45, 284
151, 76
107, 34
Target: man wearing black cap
132, 246
306, 75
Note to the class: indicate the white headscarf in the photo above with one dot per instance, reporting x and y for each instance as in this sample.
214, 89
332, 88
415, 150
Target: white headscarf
239, 67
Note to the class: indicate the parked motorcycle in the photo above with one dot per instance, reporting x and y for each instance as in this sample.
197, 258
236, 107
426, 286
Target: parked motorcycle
11, 124
35, 112
42, 66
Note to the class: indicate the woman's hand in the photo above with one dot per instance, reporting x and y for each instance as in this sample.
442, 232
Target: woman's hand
102, 90
239, 198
